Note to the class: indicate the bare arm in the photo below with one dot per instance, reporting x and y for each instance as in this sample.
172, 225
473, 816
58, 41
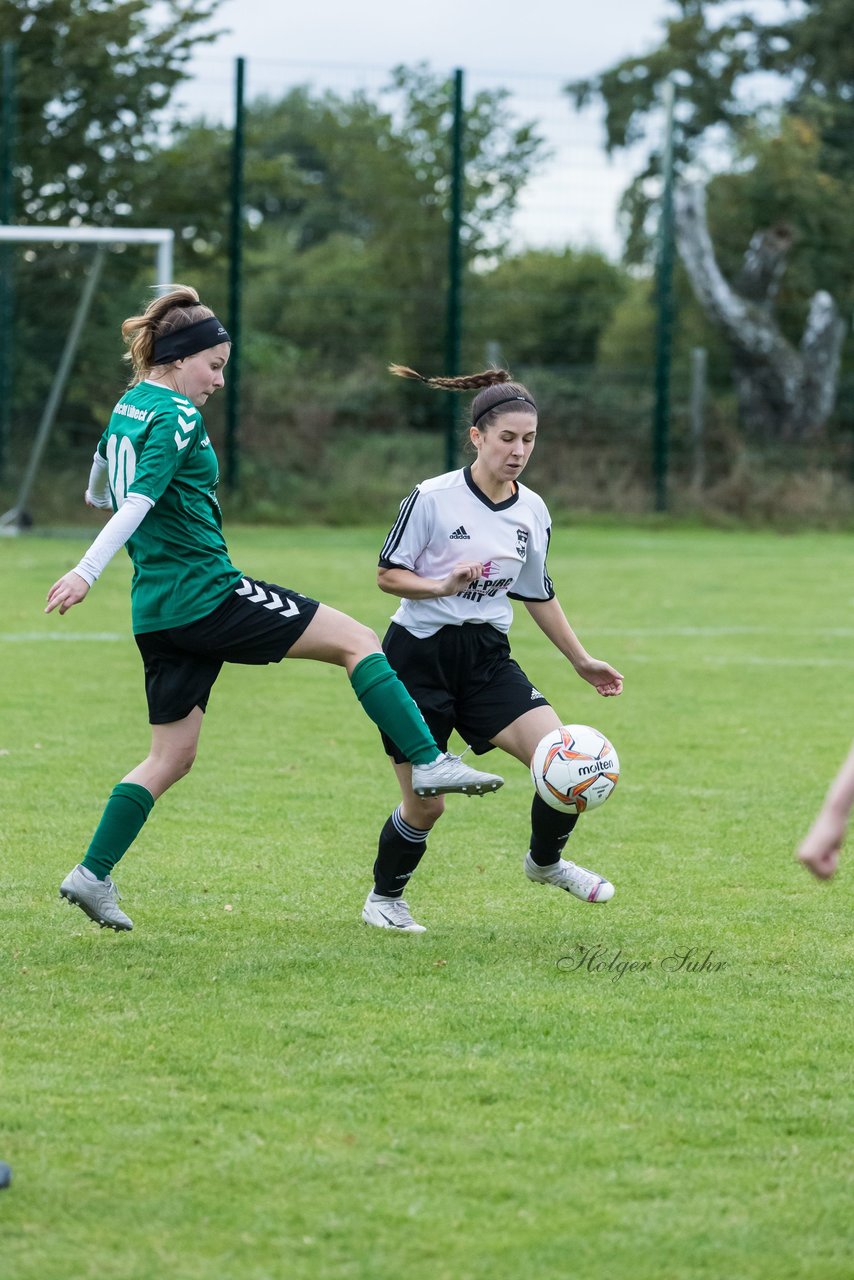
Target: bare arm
411, 586
821, 846
553, 622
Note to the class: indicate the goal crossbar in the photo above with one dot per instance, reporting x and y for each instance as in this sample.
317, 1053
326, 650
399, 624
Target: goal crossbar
163, 237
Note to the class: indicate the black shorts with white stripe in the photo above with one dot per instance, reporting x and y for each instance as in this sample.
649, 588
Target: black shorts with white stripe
258, 623
462, 678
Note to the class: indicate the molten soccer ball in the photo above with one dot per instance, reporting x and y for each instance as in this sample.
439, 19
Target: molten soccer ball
575, 768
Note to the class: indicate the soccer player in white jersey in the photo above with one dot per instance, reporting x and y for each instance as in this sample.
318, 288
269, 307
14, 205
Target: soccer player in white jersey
192, 610
463, 546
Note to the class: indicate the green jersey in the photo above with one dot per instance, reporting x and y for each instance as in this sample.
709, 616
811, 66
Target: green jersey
156, 445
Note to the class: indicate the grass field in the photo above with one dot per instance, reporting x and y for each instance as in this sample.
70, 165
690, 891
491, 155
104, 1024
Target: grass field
253, 1085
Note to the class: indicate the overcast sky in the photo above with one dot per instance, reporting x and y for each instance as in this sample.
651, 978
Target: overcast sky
559, 37
530, 47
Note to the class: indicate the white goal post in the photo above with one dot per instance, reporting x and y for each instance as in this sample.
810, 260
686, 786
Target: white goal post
160, 236
15, 518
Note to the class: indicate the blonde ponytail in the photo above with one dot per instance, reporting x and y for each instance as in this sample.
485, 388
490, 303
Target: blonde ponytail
173, 310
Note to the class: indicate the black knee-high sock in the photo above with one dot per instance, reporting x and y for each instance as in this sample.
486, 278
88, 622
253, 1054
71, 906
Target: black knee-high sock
401, 848
550, 830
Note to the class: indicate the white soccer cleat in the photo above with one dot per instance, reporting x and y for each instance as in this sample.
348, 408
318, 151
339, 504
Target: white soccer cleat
447, 774
390, 913
583, 884
98, 898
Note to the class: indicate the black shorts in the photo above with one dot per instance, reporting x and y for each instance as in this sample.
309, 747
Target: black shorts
462, 678
256, 624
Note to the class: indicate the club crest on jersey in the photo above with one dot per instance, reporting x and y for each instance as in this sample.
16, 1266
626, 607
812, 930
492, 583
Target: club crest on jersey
460, 535
521, 543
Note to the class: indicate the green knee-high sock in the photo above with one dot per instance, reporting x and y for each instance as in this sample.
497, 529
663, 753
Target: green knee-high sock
386, 701
121, 822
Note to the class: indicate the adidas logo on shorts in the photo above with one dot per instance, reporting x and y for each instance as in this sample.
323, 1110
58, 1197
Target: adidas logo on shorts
461, 534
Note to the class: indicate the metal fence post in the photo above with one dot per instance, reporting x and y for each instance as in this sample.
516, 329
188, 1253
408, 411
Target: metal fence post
664, 314
452, 348
7, 211
698, 404
235, 283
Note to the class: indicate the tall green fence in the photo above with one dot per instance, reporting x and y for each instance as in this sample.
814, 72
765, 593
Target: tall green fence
345, 218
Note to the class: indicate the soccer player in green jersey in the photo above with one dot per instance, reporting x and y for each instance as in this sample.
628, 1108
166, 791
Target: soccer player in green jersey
192, 610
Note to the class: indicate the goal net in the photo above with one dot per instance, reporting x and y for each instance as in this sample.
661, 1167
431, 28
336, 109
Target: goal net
63, 292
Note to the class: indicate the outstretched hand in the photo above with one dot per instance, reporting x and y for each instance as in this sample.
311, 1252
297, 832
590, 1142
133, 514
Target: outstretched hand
605, 679
68, 591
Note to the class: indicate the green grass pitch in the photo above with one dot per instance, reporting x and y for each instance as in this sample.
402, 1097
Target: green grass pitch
253, 1085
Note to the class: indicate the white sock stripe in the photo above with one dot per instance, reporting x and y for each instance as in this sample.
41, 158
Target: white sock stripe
412, 834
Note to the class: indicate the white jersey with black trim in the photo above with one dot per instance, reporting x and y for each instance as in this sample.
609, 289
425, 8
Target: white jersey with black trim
447, 520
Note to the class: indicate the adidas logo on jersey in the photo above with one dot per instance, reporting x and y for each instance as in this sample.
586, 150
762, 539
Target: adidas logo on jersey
536, 695
461, 534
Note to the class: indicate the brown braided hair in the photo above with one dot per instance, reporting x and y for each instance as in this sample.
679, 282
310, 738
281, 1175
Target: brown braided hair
497, 392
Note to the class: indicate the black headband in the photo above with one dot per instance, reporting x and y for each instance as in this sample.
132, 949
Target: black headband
506, 400
189, 340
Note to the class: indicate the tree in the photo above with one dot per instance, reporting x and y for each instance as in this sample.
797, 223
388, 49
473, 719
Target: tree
548, 308
346, 232
94, 78
375, 174
780, 178
347, 201
708, 61
792, 169
710, 52
784, 393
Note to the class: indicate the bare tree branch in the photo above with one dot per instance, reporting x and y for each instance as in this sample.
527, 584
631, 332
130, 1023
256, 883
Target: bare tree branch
784, 393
